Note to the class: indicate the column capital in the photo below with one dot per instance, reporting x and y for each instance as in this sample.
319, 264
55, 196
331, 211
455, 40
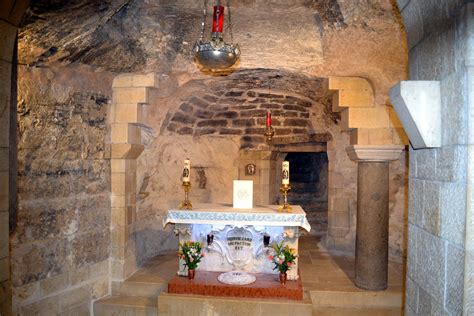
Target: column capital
374, 152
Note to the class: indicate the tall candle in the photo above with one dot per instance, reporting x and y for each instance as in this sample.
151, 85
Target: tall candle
269, 119
285, 172
187, 170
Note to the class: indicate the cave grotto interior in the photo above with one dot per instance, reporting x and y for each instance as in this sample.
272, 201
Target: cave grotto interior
369, 102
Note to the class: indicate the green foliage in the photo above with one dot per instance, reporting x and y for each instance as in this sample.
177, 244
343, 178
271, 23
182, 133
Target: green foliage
284, 257
190, 252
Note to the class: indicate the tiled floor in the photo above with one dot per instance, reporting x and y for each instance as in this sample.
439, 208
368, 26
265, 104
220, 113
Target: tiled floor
323, 270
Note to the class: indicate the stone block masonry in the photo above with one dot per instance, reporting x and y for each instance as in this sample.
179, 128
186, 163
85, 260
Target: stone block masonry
130, 98
233, 105
233, 108
440, 243
220, 119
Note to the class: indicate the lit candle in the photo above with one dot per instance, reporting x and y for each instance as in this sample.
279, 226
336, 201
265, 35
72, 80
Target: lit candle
187, 170
285, 172
269, 119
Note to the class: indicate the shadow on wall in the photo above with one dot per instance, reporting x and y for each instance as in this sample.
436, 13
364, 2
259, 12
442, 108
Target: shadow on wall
152, 242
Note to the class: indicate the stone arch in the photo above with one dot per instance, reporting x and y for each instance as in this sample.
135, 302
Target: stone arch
234, 108
418, 24
367, 123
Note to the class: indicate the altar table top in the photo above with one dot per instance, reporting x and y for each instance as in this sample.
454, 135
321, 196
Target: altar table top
225, 214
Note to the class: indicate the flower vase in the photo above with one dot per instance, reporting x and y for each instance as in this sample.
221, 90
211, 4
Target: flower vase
283, 278
191, 274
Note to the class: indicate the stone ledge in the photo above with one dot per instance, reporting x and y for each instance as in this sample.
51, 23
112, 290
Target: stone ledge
125, 151
374, 152
418, 105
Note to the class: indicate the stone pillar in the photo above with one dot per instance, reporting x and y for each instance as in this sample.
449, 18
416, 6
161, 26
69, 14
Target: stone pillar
130, 97
371, 262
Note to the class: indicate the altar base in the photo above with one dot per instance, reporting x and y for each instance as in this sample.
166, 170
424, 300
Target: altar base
238, 238
266, 286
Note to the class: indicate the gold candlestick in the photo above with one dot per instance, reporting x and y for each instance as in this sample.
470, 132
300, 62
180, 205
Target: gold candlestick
269, 133
285, 207
186, 204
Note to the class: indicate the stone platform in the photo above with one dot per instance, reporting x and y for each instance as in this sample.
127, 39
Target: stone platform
327, 280
266, 286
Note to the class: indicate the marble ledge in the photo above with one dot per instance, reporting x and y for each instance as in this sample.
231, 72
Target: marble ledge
374, 152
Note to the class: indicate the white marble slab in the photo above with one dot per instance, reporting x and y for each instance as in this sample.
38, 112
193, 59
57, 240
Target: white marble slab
219, 214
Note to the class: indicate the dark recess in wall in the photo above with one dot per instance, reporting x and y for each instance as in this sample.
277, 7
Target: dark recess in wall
12, 177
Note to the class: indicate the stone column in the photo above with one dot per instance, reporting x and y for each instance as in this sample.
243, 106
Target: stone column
371, 262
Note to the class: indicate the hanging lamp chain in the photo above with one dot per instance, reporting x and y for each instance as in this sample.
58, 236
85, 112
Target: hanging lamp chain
230, 23
203, 24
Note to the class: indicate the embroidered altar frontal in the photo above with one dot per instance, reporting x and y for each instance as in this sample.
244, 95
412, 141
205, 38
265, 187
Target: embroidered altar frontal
238, 239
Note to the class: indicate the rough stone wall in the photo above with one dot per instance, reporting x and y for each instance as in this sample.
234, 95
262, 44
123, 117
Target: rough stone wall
317, 38
175, 134
144, 36
216, 152
439, 39
238, 106
61, 241
10, 16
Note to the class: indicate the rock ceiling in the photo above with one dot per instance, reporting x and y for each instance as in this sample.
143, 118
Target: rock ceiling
138, 35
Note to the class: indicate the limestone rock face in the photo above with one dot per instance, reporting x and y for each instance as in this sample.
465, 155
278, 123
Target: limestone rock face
69, 52
319, 38
63, 177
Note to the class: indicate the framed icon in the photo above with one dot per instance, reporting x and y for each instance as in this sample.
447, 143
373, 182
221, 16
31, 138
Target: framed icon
250, 169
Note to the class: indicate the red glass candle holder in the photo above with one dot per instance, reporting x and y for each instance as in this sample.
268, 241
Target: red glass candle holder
269, 119
218, 19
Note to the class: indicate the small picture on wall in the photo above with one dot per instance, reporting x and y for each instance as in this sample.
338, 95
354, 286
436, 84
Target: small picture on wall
250, 169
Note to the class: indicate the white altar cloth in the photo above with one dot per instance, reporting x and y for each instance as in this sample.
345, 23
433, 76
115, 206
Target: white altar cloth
235, 238
219, 214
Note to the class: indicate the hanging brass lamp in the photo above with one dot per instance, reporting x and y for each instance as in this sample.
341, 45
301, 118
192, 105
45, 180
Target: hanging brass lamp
216, 54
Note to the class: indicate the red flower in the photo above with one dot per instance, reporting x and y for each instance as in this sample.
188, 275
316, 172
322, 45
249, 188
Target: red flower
270, 257
289, 264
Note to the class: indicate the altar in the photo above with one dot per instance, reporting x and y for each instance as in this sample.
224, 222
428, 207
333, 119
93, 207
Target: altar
238, 238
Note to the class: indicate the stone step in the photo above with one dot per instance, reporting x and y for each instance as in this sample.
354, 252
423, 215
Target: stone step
356, 299
139, 285
357, 311
266, 286
126, 305
186, 304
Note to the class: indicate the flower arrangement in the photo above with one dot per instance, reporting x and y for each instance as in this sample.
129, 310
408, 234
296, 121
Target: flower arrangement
190, 252
284, 257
